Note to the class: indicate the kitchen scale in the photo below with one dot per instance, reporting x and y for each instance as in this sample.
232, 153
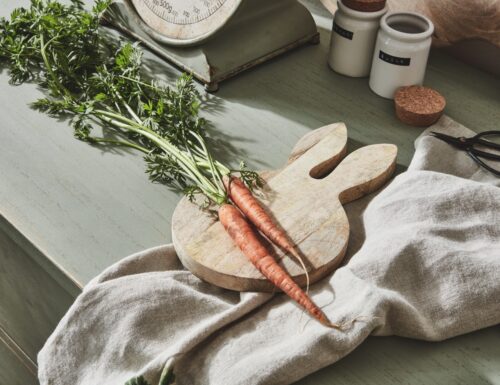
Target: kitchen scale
215, 39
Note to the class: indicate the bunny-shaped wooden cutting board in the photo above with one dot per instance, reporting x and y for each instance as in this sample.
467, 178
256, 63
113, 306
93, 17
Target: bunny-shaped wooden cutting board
307, 207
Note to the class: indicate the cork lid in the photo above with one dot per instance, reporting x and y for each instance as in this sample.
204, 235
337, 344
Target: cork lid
365, 5
418, 105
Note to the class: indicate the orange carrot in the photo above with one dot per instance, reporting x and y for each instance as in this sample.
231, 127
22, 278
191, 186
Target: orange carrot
253, 247
253, 210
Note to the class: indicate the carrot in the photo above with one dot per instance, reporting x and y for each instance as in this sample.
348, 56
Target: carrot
253, 210
253, 247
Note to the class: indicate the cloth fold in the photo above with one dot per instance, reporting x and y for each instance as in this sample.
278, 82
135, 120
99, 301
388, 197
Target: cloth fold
423, 262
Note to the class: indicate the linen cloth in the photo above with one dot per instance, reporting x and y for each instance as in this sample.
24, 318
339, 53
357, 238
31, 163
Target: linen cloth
423, 262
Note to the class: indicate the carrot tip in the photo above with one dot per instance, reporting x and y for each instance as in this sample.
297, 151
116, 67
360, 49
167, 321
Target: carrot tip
348, 324
332, 325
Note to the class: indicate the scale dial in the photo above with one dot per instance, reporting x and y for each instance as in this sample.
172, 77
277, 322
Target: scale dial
184, 22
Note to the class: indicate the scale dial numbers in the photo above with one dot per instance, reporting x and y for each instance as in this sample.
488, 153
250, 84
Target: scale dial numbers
185, 22
187, 12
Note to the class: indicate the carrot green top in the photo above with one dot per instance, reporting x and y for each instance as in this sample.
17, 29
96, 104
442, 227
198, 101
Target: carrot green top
91, 77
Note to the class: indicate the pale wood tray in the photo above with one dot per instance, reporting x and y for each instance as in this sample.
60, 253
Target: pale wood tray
307, 207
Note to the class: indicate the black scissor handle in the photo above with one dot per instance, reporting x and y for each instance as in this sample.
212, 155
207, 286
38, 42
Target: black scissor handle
484, 154
482, 164
477, 154
478, 139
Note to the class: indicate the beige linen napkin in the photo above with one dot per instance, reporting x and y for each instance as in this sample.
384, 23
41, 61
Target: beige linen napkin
424, 263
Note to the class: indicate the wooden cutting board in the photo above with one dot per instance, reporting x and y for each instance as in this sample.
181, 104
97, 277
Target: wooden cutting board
305, 197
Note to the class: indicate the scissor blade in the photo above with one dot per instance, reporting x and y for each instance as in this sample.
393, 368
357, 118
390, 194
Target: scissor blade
448, 139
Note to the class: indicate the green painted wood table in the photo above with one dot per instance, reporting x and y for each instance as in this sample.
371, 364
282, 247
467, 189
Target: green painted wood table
68, 210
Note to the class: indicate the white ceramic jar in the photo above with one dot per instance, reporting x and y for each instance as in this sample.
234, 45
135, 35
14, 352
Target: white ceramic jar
353, 38
401, 52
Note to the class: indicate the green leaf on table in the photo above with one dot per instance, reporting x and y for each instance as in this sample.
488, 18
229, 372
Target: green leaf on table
137, 381
167, 375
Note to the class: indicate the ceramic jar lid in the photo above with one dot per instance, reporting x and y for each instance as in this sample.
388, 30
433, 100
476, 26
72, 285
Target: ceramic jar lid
365, 5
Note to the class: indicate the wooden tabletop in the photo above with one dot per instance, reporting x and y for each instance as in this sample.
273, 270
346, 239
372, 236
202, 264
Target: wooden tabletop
84, 208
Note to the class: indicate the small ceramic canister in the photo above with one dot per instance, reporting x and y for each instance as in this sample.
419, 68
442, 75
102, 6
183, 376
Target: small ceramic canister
353, 38
401, 52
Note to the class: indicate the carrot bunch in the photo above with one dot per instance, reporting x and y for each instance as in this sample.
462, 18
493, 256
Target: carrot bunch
235, 219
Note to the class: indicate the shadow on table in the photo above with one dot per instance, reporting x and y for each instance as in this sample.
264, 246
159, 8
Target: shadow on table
153, 68
301, 87
228, 147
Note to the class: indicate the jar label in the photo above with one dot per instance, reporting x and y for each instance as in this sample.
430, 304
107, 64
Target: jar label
399, 61
342, 32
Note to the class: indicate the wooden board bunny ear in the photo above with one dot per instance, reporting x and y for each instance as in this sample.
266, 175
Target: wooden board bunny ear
363, 171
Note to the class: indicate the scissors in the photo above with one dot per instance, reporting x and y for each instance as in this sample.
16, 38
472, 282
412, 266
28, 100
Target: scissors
470, 145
